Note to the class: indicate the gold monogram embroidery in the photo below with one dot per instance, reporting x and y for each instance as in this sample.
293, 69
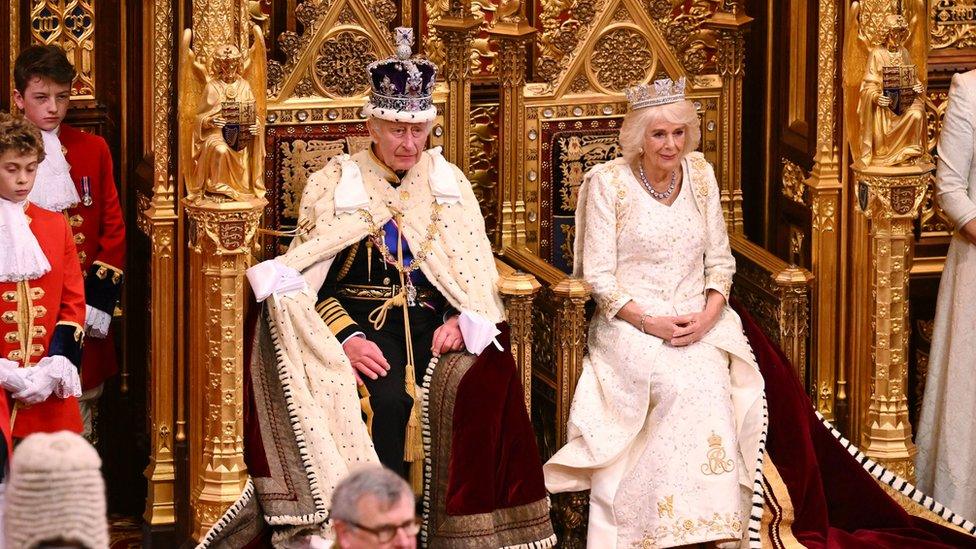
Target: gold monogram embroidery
716, 464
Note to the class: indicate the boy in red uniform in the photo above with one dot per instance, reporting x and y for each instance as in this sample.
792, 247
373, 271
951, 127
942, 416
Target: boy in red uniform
76, 178
42, 300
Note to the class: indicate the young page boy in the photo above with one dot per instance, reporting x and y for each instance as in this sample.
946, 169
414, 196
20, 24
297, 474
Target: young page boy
76, 178
42, 301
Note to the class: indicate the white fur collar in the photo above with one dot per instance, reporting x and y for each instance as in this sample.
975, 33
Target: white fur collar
351, 195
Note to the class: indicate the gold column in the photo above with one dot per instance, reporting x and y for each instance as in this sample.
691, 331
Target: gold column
13, 22
793, 285
891, 198
457, 29
518, 290
512, 33
826, 198
159, 222
571, 295
731, 25
220, 235
222, 218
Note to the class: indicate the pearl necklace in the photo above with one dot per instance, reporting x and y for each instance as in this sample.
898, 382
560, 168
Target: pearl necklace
647, 184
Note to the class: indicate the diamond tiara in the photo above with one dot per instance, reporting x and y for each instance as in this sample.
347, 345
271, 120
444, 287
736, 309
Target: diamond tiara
660, 92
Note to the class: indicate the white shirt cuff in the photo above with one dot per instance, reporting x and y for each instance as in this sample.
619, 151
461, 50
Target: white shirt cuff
478, 332
273, 277
97, 322
352, 335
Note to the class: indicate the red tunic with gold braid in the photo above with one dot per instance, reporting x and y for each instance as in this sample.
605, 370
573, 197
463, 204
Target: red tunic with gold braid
99, 234
42, 317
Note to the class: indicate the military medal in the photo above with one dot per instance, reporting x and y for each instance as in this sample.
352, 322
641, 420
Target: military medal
86, 197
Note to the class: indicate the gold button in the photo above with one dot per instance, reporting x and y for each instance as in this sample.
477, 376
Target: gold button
76, 220
40, 331
80, 238
82, 256
15, 355
12, 337
101, 273
10, 297
404, 196
37, 349
10, 317
37, 293
39, 311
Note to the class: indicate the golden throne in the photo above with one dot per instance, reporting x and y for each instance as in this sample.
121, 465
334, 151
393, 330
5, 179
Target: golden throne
525, 146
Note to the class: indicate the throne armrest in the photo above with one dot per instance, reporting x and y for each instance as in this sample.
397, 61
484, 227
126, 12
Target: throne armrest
777, 294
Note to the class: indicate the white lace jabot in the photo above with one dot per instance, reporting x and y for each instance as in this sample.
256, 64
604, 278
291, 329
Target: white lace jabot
53, 189
21, 257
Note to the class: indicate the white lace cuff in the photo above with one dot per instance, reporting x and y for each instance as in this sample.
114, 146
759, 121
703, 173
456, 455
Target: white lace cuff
273, 277
69, 382
97, 322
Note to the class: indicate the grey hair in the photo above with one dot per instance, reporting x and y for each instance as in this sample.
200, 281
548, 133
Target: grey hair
636, 122
374, 480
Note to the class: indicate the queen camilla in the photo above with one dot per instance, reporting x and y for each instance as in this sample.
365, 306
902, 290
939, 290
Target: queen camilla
667, 422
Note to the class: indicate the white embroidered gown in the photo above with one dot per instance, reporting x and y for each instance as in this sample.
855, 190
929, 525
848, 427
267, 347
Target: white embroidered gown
946, 459
655, 430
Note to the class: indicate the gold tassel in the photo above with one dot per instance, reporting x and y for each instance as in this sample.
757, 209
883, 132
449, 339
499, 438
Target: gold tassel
369, 259
367, 408
413, 448
417, 477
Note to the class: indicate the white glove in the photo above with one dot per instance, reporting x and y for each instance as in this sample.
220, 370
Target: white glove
97, 322
53, 374
12, 377
274, 277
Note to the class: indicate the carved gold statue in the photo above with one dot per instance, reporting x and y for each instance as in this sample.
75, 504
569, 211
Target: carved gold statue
889, 126
221, 113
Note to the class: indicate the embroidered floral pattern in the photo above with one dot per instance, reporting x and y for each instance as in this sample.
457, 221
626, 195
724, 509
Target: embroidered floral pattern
690, 530
721, 282
665, 507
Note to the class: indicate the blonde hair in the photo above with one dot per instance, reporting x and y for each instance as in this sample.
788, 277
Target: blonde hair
19, 135
636, 122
